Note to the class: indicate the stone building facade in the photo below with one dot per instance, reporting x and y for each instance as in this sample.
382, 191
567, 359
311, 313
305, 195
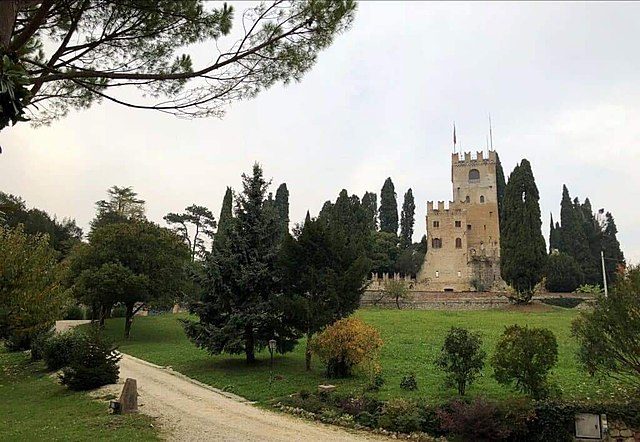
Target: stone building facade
463, 238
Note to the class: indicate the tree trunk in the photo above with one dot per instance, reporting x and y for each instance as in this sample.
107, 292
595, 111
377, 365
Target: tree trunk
307, 353
249, 345
8, 13
128, 320
398, 302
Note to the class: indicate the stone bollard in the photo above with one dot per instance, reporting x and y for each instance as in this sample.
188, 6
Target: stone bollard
129, 397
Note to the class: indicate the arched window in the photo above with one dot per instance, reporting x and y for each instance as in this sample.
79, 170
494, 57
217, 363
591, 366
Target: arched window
436, 243
467, 199
481, 199
474, 175
458, 243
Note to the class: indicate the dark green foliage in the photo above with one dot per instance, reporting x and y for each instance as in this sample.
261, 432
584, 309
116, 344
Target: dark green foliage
478, 421
239, 308
608, 335
134, 263
563, 302
554, 235
500, 187
388, 208
523, 357
409, 382
74, 312
407, 219
281, 204
59, 349
523, 251
563, 273
200, 221
62, 235
147, 45
225, 212
121, 206
410, 260
370, 206
584, 235
39, 343
93, 362
323, 267
461, 357
384, 252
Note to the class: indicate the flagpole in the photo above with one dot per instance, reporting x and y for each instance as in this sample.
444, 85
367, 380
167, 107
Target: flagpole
490, 131
454, 137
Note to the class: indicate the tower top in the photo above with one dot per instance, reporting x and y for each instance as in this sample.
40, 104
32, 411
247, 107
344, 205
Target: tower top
467, 159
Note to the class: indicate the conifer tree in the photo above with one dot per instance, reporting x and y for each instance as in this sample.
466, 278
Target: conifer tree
554, 235
237, 313
370, 206
225, 211
523, 250
613, 256
407, 219
388, 208
281, 205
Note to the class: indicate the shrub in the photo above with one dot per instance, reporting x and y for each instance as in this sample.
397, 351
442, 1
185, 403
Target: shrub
608, 335
409, 382
400, 415
94, 363
478, 420
524, 357
563, 302
59, 348
74, 312
461, 357
345, 344
376, 381
592, 289
39, 343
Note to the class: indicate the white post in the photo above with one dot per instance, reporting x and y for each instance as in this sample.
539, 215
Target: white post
604, 274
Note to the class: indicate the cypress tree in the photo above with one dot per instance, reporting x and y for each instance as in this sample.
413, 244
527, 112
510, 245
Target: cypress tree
388, 208
282, 206
407, 219
523, 250
554, 236
225, 212
613, 256
370, 206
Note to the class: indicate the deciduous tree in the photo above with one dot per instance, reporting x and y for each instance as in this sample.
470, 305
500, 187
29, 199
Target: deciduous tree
461, 357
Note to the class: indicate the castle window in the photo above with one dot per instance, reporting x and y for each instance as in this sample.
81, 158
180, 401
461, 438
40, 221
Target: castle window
468, 226
490, 214
436, 224
481, 199
467, 199
437, 274
436, 243
458, 223
458, 243
485, 227
459, 274
474, 175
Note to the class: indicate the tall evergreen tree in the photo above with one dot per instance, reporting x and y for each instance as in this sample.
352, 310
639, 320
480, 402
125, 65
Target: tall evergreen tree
237, 313
407, 219
226, 211
281, 205
388, 208
554, 235
613, 256
122, 205
500, 184
370, 205
523, 250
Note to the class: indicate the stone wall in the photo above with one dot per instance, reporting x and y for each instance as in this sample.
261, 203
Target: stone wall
620, 432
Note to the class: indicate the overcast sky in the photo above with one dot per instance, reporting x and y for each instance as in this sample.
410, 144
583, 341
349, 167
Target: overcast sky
559, 79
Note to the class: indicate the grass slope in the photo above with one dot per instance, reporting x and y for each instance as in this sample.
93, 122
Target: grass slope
34, 407
412, 340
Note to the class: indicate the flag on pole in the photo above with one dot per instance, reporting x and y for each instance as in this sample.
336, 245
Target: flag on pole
454, 136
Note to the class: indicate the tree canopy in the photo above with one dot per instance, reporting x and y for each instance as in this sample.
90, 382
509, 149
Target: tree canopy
523, 250
197, 221
58, 55
407, 219
388, 208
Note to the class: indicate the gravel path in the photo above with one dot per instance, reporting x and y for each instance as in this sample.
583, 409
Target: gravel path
189, 411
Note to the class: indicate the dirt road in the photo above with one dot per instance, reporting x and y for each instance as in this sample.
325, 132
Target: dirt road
187, 411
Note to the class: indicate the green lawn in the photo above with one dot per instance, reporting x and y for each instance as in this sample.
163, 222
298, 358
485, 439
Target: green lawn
412, 339
33, 406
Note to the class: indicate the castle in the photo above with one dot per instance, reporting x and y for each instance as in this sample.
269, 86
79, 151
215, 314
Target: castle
463, 252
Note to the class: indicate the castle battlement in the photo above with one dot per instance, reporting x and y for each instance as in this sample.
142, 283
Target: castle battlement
468, 160
454, 207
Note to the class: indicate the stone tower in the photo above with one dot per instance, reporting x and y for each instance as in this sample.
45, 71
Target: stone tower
464, 238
